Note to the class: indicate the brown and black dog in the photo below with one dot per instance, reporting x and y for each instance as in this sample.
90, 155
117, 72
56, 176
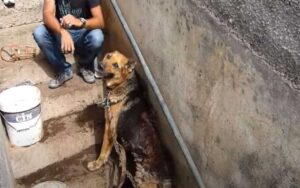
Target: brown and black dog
130, 122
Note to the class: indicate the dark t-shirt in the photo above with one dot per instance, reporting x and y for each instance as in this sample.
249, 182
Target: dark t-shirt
78, 8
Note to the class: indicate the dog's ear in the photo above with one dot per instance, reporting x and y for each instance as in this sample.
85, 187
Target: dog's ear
130, 65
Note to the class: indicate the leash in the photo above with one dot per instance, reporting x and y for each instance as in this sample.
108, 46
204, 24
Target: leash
122, 163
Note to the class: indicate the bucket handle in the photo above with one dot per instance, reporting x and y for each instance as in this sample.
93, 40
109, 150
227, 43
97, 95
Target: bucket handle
7, 122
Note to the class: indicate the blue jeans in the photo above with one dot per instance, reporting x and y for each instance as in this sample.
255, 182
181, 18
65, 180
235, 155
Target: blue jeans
87, 46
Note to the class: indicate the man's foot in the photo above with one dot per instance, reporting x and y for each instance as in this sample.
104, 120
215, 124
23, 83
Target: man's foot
61, 78
87, 75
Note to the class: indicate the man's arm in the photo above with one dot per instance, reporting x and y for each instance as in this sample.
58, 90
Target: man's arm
49, 16
67, 44
95, 22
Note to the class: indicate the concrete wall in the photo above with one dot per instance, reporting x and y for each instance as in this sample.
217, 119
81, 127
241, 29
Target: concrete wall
6, 175
239, 117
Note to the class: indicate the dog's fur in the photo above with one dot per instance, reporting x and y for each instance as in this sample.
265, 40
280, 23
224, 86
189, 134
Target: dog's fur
130, 121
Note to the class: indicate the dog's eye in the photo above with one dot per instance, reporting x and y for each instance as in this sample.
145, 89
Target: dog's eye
108, 56
115, 65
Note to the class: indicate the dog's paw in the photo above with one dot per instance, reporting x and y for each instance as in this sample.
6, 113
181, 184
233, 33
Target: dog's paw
94, 165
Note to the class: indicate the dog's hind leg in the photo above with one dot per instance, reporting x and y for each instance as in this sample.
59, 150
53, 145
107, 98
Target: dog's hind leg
107, 145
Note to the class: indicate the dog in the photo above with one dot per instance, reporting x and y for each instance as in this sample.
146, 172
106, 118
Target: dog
130, 122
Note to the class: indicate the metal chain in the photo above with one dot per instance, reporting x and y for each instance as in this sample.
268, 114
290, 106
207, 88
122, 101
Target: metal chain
122, 164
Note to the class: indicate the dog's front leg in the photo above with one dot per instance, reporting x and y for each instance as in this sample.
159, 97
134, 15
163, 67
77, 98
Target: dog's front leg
107, 145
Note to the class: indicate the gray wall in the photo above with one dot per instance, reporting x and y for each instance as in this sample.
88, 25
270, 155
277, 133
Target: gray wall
6, 176
239, 117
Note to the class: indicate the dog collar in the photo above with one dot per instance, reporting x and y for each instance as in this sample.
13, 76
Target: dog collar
106, 103
119, 94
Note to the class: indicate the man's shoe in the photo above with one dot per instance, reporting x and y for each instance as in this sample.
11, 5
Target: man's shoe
9, 3
87, 75
61, 78
98, 70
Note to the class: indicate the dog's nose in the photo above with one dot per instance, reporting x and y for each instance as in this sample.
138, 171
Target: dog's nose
107, 75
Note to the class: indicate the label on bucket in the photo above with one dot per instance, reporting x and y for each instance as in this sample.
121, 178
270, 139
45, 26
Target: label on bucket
22, 116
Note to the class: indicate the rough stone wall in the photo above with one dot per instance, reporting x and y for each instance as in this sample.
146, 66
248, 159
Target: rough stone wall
271, 27
239, 117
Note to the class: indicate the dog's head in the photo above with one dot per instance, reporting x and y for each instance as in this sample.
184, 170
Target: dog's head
116, 68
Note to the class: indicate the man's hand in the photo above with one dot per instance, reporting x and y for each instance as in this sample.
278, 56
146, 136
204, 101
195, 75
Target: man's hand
69, 21
67, 44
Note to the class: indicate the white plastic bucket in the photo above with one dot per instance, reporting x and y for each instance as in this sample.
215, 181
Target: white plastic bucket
51, 184
20, 107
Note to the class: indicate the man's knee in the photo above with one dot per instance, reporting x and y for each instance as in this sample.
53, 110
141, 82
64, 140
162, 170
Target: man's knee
40, 34
96, 38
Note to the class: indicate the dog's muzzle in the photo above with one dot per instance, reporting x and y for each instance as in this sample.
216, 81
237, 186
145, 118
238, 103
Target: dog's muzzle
107, 75
100, 73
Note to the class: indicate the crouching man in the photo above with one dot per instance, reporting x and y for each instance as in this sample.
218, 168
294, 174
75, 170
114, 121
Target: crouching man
71, 26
